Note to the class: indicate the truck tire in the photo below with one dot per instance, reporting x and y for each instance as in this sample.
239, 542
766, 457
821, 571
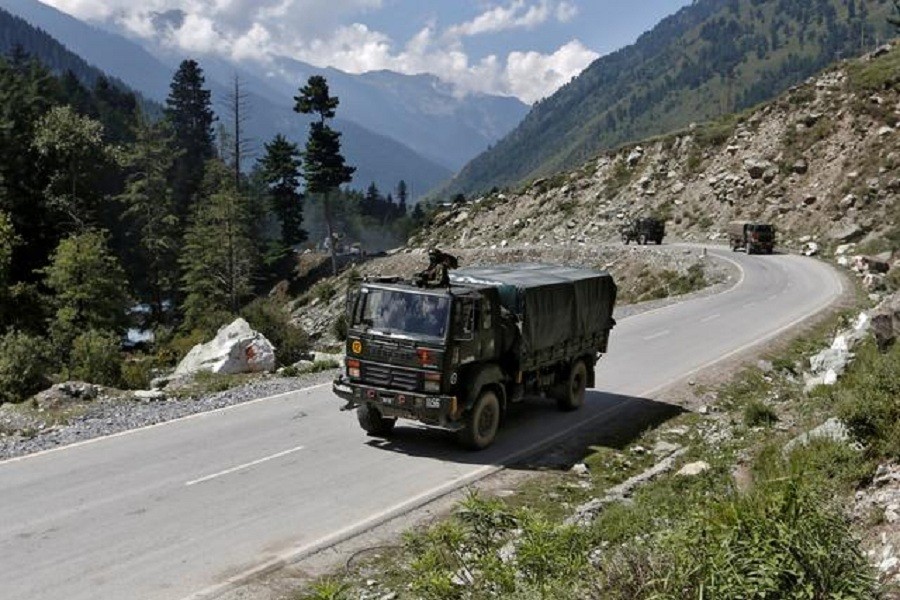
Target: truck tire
572, 396
482, 422
371, 420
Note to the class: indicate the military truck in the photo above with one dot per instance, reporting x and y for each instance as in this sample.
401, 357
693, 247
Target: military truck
458, 354
751, 237
644, 231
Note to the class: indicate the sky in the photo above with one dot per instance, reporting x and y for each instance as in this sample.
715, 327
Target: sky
522, 48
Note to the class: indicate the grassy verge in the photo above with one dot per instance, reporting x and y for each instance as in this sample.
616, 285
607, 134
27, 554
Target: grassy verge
760, 520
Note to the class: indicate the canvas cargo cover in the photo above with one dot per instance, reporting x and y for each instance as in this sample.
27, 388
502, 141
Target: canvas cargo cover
555, 304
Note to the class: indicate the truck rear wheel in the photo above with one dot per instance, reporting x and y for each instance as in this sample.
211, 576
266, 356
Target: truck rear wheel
371, 419
482, 422
572, 397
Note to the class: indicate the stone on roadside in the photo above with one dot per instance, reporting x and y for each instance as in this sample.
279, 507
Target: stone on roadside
832, 429
67, 392
579, 469
693, 469
236, 349
150, 395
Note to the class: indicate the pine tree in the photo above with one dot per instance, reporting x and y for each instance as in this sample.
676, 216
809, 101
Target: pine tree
894, 19
149, 218
219, 253
188, 109
324, 167
90, 288
281, 172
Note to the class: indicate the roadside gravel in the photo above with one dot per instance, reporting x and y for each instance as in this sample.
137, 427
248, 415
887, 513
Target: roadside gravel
112, 414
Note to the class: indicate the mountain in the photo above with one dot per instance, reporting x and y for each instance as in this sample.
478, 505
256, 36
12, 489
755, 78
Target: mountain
413, 126
710, 58
819, 163
377, 157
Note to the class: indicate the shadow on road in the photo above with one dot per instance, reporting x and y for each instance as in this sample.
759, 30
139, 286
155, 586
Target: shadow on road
555, 439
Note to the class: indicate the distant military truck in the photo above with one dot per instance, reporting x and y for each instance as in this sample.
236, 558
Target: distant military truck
644, 231
751, 237
456, 354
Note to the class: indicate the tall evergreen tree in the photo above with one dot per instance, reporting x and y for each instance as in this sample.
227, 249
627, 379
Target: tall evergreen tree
219, 258
151, 225
91, 291
281, 172
189, 110
324, 167
894, 19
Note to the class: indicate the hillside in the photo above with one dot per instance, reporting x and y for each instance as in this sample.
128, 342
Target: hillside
820, 163
709, 59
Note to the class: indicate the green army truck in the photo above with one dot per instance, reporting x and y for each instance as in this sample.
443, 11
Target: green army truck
456, 355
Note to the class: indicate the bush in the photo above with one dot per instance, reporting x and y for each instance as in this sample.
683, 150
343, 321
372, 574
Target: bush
25, 366
96, 358
867, 400
758, 413
340, 328
137, 372
271, 319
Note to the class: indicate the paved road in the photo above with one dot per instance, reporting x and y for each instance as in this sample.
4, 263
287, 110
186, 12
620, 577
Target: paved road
176, 510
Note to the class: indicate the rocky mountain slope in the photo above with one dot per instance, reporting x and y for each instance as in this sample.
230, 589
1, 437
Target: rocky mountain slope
710, 58
820, 163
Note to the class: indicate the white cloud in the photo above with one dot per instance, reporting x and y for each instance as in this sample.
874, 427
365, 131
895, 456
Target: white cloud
533, 76
516, 15
318, 32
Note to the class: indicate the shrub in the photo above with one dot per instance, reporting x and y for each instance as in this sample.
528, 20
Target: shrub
137, 372
96, 358
172, 347
271, 319
340, 328
758, 413
25, 366
867, 400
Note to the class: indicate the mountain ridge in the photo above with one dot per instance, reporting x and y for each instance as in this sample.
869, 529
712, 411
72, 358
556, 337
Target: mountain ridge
707, 59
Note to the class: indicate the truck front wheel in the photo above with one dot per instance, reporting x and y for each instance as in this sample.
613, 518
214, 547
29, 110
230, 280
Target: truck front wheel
572, 397
371, 419
482, 422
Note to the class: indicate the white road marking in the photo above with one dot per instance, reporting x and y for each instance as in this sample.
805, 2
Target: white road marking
710, 318
656, 336
243, 466
198, 415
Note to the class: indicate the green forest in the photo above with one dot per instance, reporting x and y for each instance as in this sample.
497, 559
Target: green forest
711, 58
113, 219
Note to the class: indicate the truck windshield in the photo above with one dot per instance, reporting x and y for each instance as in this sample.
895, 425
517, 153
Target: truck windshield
403, 313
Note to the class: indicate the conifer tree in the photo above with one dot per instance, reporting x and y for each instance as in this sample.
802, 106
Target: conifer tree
281, 172
219, 256
149, 218
324, 167
401, 197
90, 288
189, 110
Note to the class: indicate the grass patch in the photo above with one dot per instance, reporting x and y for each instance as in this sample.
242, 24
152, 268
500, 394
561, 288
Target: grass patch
876, 75
758, 413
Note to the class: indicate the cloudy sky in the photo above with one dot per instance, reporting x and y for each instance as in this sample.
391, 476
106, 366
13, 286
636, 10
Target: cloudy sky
524, 48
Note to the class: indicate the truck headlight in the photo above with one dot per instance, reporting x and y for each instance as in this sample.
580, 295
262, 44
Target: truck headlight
353, 370
432, 382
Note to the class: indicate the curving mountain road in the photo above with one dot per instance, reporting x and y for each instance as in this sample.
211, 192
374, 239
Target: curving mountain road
180, 509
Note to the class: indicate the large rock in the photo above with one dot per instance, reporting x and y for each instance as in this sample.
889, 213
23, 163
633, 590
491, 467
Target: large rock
886, 322
756, 168
65, 393
235, 349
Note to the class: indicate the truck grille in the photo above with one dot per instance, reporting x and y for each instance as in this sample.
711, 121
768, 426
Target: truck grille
390, 377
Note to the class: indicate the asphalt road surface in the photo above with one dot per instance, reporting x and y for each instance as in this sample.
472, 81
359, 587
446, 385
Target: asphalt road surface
180, 509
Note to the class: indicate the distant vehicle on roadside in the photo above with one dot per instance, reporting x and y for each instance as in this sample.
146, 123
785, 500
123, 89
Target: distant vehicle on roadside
644, 231
751, 237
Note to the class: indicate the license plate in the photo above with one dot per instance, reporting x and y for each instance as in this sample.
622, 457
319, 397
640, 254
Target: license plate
433, 403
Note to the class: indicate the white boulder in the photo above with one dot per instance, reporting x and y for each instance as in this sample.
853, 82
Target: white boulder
236, 349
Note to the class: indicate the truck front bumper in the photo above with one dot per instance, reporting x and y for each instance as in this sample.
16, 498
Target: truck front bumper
431, 409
